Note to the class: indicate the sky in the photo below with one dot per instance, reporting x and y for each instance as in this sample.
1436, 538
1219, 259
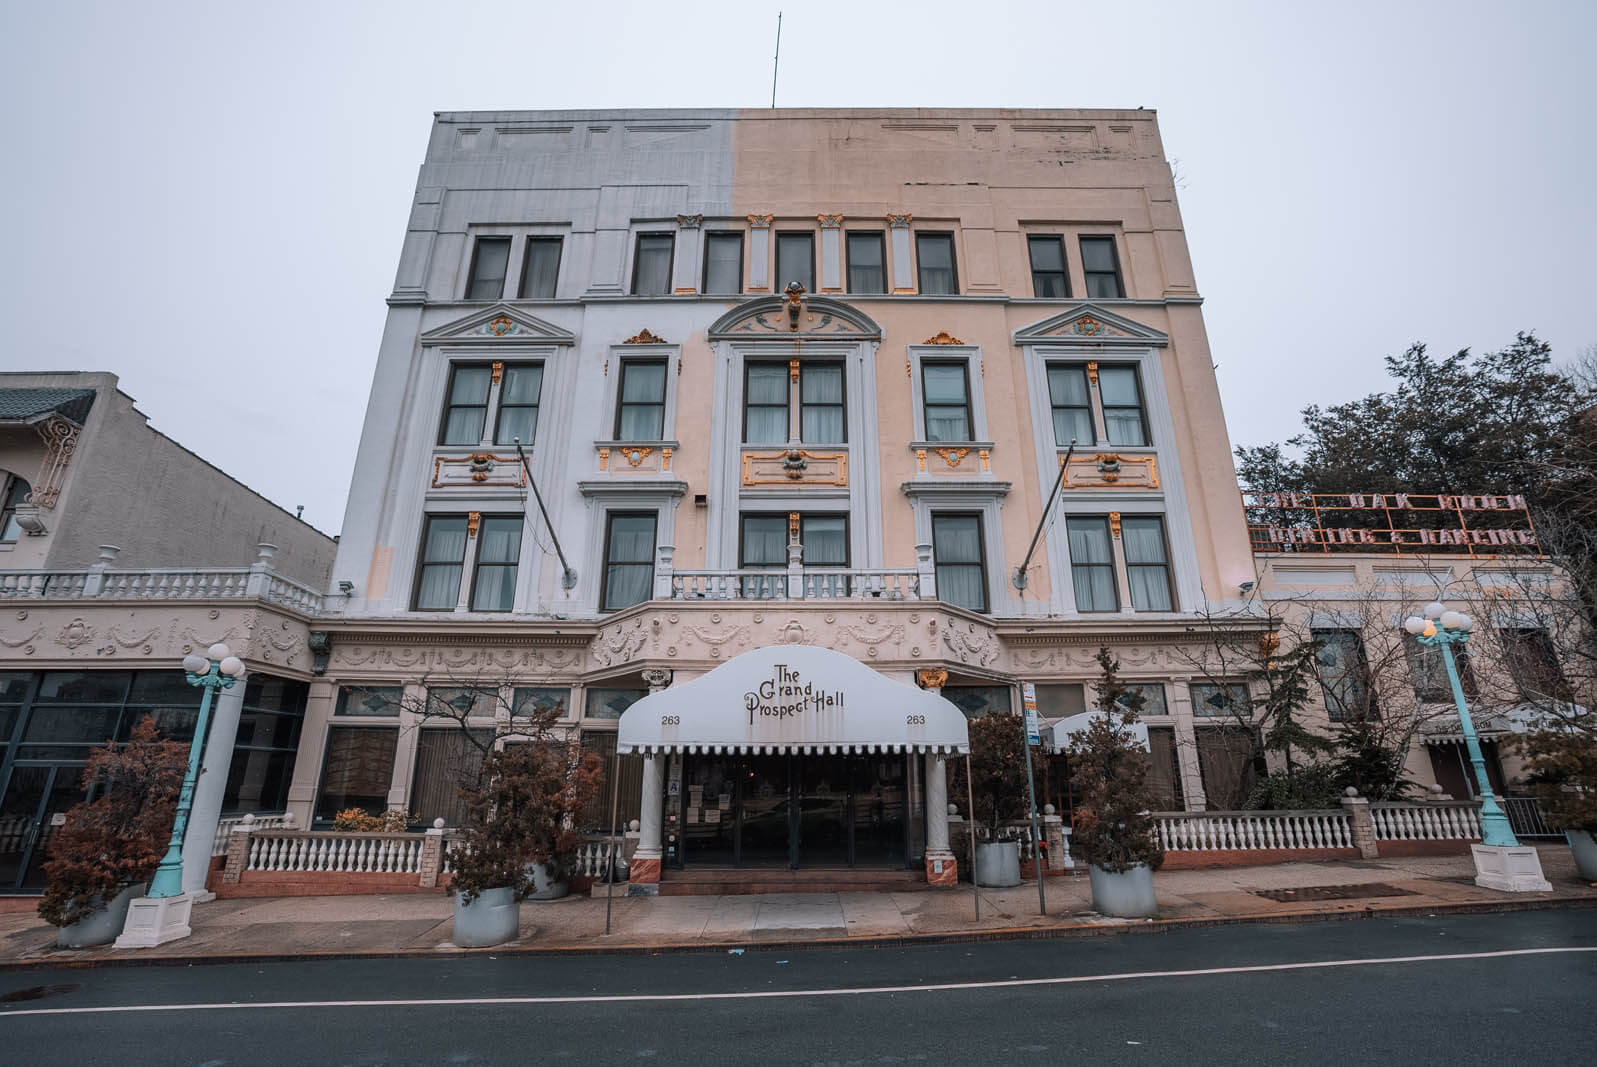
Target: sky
225, 185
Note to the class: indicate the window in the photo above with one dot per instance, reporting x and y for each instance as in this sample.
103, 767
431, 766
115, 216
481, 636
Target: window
1101, 267
627, 793
821, 403
540, 268
443, 557
1061, 701
1164, 769
357, 770
1221, 701
1226, 765
369, 700
1344, 675
795, 260
723, 263
867, 263
519, 390
1152, 697
541, 700
825, 540
961, 569
762, 542
448, 759
640, 409
489, 259
1533, 664
979, 701
1147, 562
628, 560
762, 545
651, 267
1049, 278
493, 582
1429, 673
945, 394
265, 745
460, 702
17, 490
1122, 406
610, 703
466, 412
1092, 564
934, 257
1072, 404
765, 398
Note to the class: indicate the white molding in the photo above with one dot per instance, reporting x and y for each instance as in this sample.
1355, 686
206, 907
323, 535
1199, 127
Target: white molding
972, 357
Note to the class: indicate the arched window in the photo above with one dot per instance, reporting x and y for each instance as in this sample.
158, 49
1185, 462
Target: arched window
16, 490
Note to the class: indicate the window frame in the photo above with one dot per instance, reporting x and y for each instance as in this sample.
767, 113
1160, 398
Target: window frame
968, 405
17, 489
610, 516
749, 365
848, 260
422, 563
496, 397
1165, 565
1232, 689
776, 252
1113, 568
710, 236
642, 236
980, 563
622, 403
540, 240
1141, 406
1064, 265
805, 366
1355, 675
321, 773
953, 262
455, 367
1053, 406
477, 564
1087, 276
476, 258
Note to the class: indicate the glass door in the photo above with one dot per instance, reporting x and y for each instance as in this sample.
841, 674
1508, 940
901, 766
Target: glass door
764, 825
824, 812
33, 809
881, 800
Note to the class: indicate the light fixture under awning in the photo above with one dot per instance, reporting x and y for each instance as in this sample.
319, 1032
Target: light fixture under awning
793, 698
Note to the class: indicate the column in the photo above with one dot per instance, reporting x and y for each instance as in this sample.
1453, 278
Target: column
685, 268
831, 253
1192, 792
759, 253
206, 811
942, 869
903, 264
644, 868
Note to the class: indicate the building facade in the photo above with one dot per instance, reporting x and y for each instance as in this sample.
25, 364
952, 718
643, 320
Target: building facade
782, 377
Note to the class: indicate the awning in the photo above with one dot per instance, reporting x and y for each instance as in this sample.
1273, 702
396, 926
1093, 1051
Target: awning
1056, 738
793, 698
1489, 725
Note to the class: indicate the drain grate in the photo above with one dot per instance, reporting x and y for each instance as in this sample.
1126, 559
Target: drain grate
1333, 892
37, 992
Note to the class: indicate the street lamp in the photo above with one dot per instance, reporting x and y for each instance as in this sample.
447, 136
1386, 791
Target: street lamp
217, 669
1501, 862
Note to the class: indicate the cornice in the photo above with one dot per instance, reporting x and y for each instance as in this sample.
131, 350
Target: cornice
480, 634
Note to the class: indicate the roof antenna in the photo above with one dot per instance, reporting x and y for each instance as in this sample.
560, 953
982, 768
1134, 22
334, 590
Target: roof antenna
777, 58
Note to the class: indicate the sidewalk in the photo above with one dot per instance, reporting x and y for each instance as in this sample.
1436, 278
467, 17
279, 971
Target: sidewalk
405, 925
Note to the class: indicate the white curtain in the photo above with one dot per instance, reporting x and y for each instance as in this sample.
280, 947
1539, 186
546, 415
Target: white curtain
1067, 391
468, 404
642, 401
825, 544
442, 557
765, 541
767, 404
542, 264
629, 575
947, 410
518, 404
1092, 565
956, 547
723, 264
821, 394
1146, 568
1122, 405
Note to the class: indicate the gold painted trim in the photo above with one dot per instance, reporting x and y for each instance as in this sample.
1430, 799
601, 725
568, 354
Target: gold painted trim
932, 679
637, 455
604, 459
787, 479
760, 222
644, 337
952, 456
942, 337
1114, 524
665, 457
473, 521
984, 455
519, 481
829, 222
499, 371
1092, 372
920, 459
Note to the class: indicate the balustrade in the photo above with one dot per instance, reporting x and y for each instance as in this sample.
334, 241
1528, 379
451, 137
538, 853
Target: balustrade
813, 584
1253, 830
346, 853
1431, 821
156, 584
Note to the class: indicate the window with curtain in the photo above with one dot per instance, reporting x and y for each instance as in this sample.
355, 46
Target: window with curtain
945, 397
628, 560
1049, 279
369, 700
1164, 769
1225, 764
795, 260
17, 490
493, 582
627, 792
640, 409
1212, 701
821, 404
934, 259
1092, 564
1344, 675
519, 389
448, 759
825, 540
867, 263
466, 410
1429, 673
979, 701
1072, 404
540, 268
357, 770
1147, 562
651, 265
1533, 663
762, 545
765, 400
1123, 418
723, 263
489, 259
1101, 267
443, 557
959, 560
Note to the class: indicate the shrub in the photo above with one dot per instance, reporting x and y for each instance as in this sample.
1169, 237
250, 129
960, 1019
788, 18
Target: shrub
1313, 786
1113, 828
361, 821
1562, 764
998, 769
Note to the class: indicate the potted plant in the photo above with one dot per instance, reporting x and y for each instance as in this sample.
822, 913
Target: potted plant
1113, 828
520, 834
111, 845
1561, 759
998, 784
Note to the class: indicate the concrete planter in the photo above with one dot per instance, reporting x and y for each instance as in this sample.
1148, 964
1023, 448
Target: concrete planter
101, 926
1584, 846
492, 918
1126, 895
998, 864
547, 882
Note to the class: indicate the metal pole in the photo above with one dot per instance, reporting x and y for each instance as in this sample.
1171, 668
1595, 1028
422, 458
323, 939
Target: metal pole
1495, 829
970, 832
1036, 834
777, 59
168, 880
610, 867
568, 577
1018, 579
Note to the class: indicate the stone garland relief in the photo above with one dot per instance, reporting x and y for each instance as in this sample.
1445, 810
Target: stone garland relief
456, 659
970, 643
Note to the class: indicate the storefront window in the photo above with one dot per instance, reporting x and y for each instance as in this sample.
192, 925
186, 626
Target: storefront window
357, 770
977, 701
610, 703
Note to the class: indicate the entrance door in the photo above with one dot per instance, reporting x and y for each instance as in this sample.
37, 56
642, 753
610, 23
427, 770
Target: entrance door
37, 795
824, 803
880, 821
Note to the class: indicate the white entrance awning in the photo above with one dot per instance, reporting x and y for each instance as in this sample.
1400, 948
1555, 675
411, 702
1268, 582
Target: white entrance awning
1057, 737
793, 698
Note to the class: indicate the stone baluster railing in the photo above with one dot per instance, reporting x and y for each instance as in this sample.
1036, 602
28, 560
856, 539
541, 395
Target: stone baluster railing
1428, 821
1254, 830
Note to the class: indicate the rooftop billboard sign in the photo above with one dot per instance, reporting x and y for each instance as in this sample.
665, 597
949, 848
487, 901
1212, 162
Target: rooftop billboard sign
1451, 524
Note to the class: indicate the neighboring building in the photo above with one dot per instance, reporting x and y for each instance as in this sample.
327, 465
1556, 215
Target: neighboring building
783, 377
121, 552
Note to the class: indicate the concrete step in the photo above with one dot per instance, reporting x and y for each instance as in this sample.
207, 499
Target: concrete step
746, 880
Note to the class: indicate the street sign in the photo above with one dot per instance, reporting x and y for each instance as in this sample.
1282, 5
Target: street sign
1028, 700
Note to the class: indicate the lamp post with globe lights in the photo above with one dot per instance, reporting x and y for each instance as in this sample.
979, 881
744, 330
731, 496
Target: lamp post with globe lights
163, 914
1501, 862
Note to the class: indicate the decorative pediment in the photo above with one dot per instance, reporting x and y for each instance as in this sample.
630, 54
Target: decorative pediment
1087, 322
770, 317
497, 325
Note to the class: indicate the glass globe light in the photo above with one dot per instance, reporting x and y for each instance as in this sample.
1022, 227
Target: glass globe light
1450, 620
1414, 624
1434, 609
218, 651
196, 664
1430, 629
1466, 623
233, 667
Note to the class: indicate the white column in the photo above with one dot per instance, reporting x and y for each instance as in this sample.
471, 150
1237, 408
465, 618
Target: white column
936, 806
653, 813
1187, 746
206, 811
685, 265
831, 253
759, 253
903, 264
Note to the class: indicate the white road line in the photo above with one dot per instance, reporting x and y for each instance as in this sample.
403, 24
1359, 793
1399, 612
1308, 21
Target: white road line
775, 994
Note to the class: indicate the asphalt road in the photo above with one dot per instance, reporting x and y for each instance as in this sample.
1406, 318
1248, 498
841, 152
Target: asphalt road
1487, 989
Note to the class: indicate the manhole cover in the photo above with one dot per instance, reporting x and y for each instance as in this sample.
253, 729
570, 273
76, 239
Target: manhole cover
37, 992
1333, 892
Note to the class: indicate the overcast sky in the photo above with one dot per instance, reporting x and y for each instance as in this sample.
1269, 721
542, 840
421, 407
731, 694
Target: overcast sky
208, 199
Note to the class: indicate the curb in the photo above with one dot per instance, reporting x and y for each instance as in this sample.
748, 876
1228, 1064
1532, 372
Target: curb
1015, 933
